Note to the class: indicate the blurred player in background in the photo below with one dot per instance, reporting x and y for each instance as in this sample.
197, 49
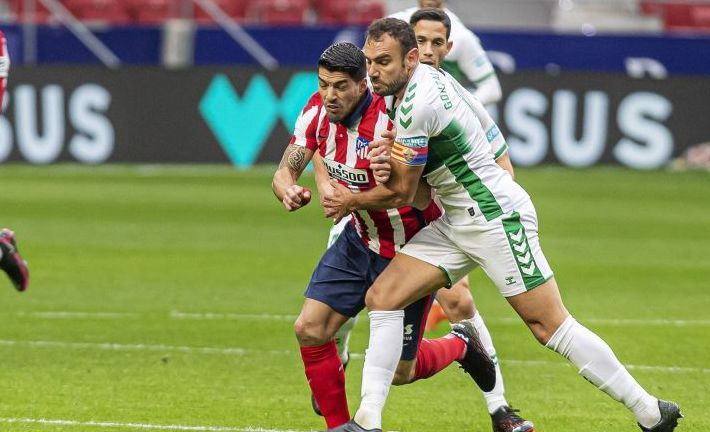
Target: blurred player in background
489, 221
335, 128
466, 61
10, 260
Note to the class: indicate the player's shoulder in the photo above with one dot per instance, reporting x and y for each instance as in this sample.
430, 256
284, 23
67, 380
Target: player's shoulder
314, 100
425, 86
404, 15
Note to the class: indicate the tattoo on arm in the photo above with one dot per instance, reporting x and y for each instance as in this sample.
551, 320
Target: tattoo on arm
294, 157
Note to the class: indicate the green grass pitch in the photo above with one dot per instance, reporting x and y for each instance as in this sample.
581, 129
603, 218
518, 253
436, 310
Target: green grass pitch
162, 298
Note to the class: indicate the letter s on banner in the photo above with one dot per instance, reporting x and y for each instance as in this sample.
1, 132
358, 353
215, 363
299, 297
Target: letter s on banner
528, 138
639, 117
94, 141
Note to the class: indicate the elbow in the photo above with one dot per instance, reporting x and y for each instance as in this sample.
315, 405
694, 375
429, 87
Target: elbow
402, 198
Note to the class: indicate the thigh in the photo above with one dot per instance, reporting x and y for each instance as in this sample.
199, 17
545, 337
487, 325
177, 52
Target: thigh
404, 281
508, 250
319, 320
542, 309
434, 246
340, 279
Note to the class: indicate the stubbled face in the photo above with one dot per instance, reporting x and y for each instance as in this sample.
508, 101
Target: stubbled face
340, 93
431, 41
387, 67
438, 4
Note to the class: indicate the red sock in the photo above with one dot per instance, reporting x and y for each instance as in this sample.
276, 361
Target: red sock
326, 377
434, 355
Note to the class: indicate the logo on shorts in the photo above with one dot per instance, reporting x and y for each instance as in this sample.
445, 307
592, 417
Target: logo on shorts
362, 147
522, 252
408, 329
510, 280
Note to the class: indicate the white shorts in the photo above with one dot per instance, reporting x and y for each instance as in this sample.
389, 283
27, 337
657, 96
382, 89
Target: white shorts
506, 248
336, 229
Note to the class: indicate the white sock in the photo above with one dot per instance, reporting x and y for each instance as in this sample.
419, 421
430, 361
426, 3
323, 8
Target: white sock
342, 339
381, 358
598, 364
496, 397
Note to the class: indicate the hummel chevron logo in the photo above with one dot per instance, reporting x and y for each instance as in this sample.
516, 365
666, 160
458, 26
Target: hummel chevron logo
525, 259
405, 124
412, 87
529, 270
517, 237
407, 110
521, 248
409, 98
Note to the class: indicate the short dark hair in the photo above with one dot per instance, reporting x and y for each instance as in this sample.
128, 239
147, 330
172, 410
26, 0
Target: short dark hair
398, 30
344, 57
432, 14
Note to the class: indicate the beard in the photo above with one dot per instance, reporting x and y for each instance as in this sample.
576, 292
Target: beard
394, 86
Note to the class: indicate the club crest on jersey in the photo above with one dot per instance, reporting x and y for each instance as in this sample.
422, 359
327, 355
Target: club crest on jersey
362, 147
350, 176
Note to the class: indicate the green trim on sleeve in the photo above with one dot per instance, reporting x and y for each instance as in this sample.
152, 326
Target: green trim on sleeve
501, 151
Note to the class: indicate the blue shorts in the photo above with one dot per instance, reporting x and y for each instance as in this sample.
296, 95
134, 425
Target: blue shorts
344, 274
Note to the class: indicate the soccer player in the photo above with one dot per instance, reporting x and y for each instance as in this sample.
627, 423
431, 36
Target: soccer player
335, 128
466, 61
489, 221
432, 28
10, 260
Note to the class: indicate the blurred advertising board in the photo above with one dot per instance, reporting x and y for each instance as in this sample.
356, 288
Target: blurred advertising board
638, 55
244, 116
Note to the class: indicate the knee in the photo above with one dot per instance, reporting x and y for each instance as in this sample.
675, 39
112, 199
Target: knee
403, 374
376, 300
541, 333
310, 332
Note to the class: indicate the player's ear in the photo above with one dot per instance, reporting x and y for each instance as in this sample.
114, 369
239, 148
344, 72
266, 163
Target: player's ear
362, 86
412, 57
449, 44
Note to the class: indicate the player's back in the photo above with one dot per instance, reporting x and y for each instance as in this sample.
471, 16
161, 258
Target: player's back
460, 163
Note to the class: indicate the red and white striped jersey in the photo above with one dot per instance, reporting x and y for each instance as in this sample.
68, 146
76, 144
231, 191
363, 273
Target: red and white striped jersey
4, 66
344, 147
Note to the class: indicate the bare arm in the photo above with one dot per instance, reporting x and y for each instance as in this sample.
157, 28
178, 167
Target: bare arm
505, 163
322, 177
398, 191
284, 185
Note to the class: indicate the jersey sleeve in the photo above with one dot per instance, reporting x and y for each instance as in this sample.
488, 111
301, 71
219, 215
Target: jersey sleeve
414, 123
474, 62
306, 129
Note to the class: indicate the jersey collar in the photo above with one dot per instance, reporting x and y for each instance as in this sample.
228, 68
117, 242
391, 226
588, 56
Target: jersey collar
354, 116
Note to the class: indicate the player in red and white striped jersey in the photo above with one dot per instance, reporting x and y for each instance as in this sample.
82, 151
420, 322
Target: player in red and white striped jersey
335, 129
10, 260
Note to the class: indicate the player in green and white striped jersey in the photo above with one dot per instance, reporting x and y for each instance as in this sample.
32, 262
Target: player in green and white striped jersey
489, 221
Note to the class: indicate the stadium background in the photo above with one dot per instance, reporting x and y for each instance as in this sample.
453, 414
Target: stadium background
136, 167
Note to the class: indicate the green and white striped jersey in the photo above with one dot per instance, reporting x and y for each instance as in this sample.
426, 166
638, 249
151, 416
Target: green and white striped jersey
440, 125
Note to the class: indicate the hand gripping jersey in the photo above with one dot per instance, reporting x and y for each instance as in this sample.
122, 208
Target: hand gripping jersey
440, 125
344, 148
467, 61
